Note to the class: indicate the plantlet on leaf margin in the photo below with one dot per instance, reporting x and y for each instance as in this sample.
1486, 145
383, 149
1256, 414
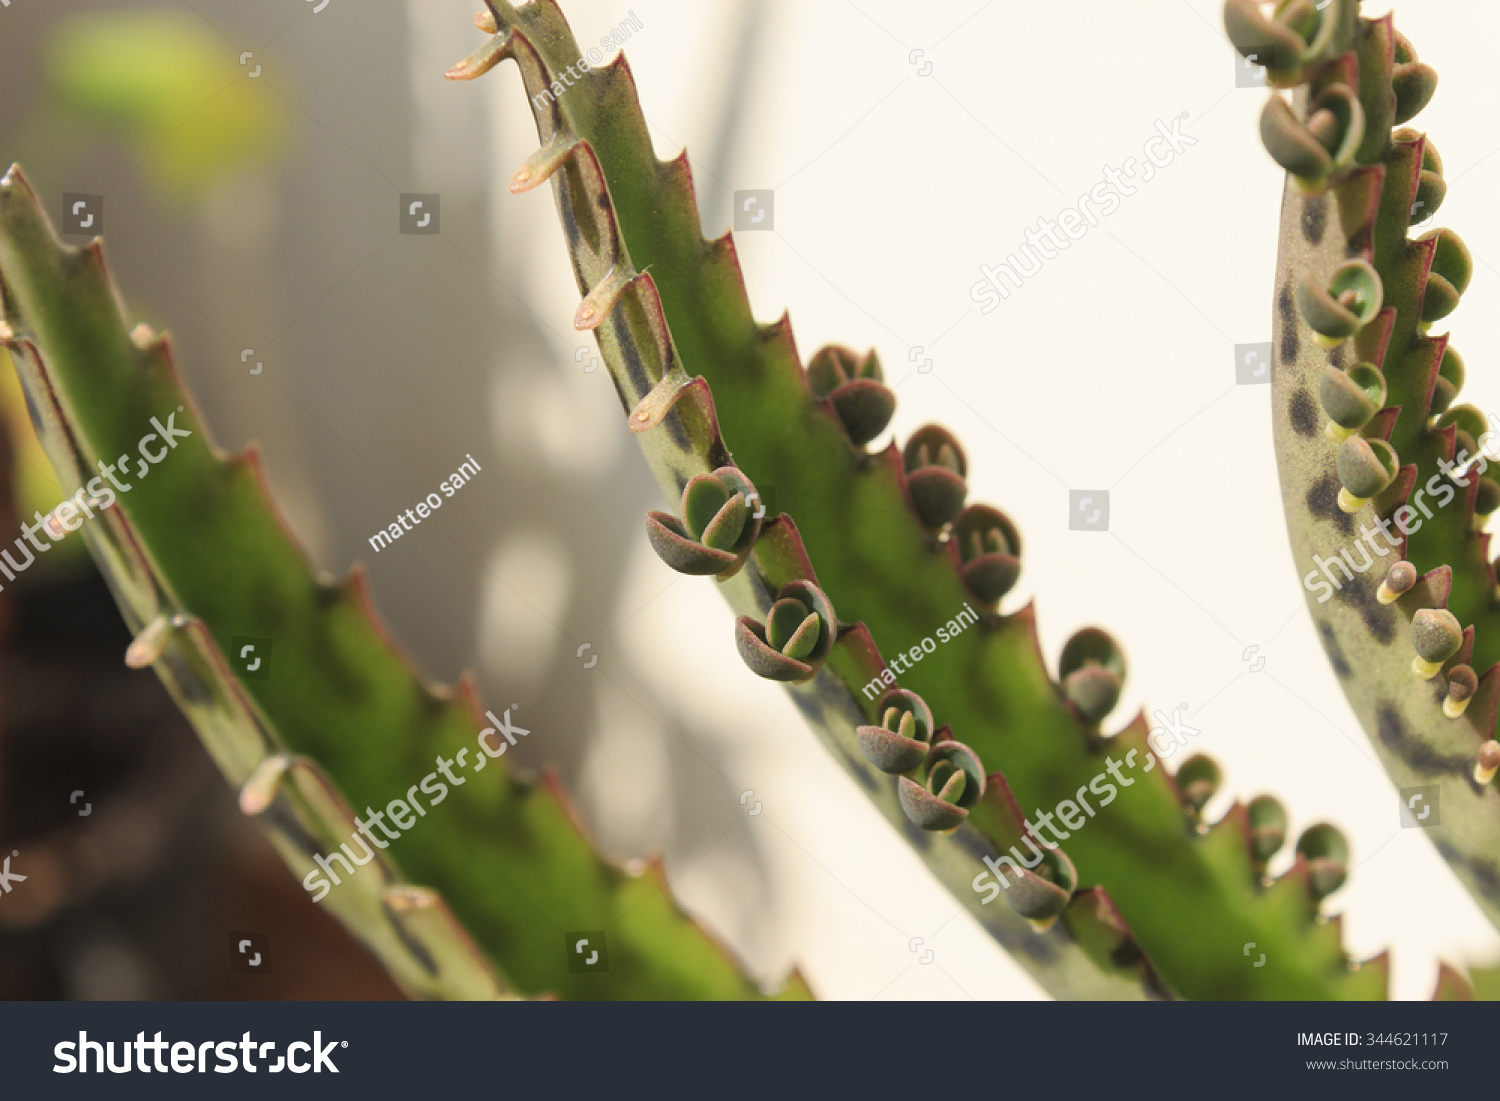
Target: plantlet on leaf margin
900, 743
854, 388
798, 633
955, 782
717, 529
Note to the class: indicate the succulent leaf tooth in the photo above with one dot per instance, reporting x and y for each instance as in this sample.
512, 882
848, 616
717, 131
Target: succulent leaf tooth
1197, 780
1327, 854
1338, 307
658, 402
1488, 763
1432, 188
403, 898
1351, 398
899, 744
598, 303
1452, 268
1365, 467
1462, 684
1398, 580
1268, 821
143, 336
935, 470
259, 791
989, 550
149, 645
1436, 636
1092, 673
1413, 81
482, 60
540, 165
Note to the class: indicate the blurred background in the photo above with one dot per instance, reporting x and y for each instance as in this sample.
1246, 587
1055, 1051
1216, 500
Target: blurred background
250, 206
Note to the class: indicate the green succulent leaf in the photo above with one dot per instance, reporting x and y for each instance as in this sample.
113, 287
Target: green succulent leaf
887, 560
1383, 525
344, 722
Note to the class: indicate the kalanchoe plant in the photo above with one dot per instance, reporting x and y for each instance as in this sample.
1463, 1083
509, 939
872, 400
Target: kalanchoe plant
1399, 475
1143, 904
448, 921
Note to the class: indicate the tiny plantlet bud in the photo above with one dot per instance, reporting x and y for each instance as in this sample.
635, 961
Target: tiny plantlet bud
1197, 780
855, 389
1339, 307
717, 529
1488, 763
935, 470
1092, 673
797, 636
1327, 854
1436, 636
1452, 268
1398, 580
900, 743
1267, 819
955, 781
1462, 684
1351, 398
1365, 467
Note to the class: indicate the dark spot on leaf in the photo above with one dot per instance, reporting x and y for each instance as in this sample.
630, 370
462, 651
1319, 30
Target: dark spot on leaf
1304, 413
1421, 758
1332, 648
1323, 502
1286, 311
1314, 219
1380, 619
1339, 354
